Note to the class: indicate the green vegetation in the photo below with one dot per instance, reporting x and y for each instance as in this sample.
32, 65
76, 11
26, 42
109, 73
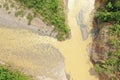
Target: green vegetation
0, 6
110, 14
12, 5
6, 6
8, 74
30, 18
52, 12
19, 13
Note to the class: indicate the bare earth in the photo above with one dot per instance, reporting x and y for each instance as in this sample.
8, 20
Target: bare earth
37, 25
77, 62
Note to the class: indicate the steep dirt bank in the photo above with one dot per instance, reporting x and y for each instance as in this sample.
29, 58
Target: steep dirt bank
106, 47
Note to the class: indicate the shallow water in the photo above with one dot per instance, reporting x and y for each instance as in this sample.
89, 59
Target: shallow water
77, 62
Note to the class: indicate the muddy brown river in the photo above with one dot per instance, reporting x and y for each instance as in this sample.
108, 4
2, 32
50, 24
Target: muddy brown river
74, 50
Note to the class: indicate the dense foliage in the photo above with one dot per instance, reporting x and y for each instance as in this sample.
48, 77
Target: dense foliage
110, 13
6, 74
108, 16
52, 12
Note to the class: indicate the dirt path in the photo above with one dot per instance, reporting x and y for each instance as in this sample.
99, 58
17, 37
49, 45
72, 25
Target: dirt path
77, 62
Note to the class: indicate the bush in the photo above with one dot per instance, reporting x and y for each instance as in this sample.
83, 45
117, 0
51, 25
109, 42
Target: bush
30, 18
19, 13
108, 16
0, 6
114, 30
117, 5
112, 5
6, 74
109, 6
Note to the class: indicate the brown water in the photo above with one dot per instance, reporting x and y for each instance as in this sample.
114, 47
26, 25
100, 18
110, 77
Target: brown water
77, 62
74, 50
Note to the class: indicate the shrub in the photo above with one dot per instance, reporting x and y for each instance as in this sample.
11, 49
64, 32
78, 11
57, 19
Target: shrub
0, 6
6, 74
117, 5
18, 13
30, 18
108, 16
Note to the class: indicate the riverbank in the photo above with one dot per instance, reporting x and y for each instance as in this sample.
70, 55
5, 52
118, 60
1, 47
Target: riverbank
106, 46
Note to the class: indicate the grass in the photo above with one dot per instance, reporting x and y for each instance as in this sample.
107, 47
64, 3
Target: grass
52, 12
6, 6
19, 13
6, 73
12, 5
30, 18
0, 6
